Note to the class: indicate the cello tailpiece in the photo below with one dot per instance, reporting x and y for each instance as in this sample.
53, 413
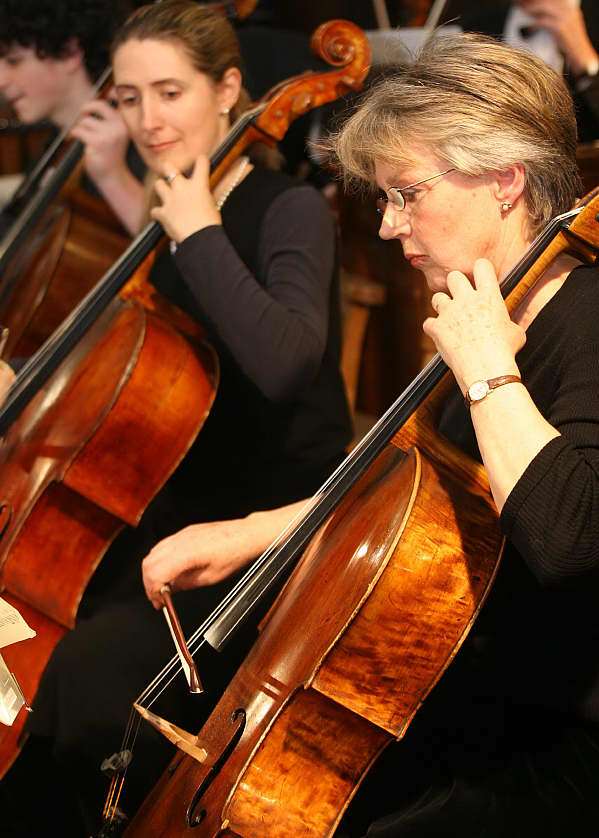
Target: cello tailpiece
182, 739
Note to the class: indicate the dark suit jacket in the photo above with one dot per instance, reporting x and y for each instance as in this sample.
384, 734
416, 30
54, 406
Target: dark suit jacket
490, 20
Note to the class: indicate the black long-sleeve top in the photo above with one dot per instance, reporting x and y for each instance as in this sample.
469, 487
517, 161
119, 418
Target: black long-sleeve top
539, 629
265, 285
284, 320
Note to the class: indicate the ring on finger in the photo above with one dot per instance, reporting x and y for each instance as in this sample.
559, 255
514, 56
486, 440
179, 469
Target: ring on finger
170, 178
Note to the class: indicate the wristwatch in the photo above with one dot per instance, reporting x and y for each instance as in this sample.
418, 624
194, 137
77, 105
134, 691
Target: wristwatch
481, 389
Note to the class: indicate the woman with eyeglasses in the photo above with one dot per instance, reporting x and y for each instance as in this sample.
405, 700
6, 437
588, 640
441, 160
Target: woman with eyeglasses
472, 149
255, 264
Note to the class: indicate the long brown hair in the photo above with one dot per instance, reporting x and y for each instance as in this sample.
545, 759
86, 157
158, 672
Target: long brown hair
205, 34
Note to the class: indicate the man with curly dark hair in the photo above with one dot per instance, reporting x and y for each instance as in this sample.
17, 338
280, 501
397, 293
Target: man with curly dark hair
51, 54
52, 51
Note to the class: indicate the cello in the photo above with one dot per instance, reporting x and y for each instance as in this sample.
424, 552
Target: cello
365, 627
50, 442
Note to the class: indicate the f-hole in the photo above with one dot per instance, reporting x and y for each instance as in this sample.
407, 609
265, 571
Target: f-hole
195, 814
5, 517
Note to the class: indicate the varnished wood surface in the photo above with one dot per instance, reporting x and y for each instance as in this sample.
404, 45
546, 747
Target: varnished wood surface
131, 377
393, 599
86, 457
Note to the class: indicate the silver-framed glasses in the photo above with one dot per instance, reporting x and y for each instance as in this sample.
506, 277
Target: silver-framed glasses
399, 196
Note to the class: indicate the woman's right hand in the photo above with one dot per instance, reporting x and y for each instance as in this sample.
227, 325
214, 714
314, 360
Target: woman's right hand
198, 555
203, 554
186, 203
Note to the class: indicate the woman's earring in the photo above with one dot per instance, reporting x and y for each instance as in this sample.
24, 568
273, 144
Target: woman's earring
505, 206
225, 112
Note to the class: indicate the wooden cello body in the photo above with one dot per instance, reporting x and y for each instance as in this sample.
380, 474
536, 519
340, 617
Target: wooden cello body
367, 624
302, 722
85, 458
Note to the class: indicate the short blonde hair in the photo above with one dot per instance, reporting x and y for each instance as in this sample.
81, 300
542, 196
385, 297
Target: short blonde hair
479, 106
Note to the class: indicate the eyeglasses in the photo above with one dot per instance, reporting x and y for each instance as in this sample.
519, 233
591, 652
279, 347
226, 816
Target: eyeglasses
399, 197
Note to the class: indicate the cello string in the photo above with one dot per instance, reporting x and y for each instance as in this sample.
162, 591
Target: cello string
118, 778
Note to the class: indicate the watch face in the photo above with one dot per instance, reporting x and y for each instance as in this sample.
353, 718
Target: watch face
478, 391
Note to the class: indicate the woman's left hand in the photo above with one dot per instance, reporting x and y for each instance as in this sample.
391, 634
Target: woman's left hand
187, 205
473, 331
